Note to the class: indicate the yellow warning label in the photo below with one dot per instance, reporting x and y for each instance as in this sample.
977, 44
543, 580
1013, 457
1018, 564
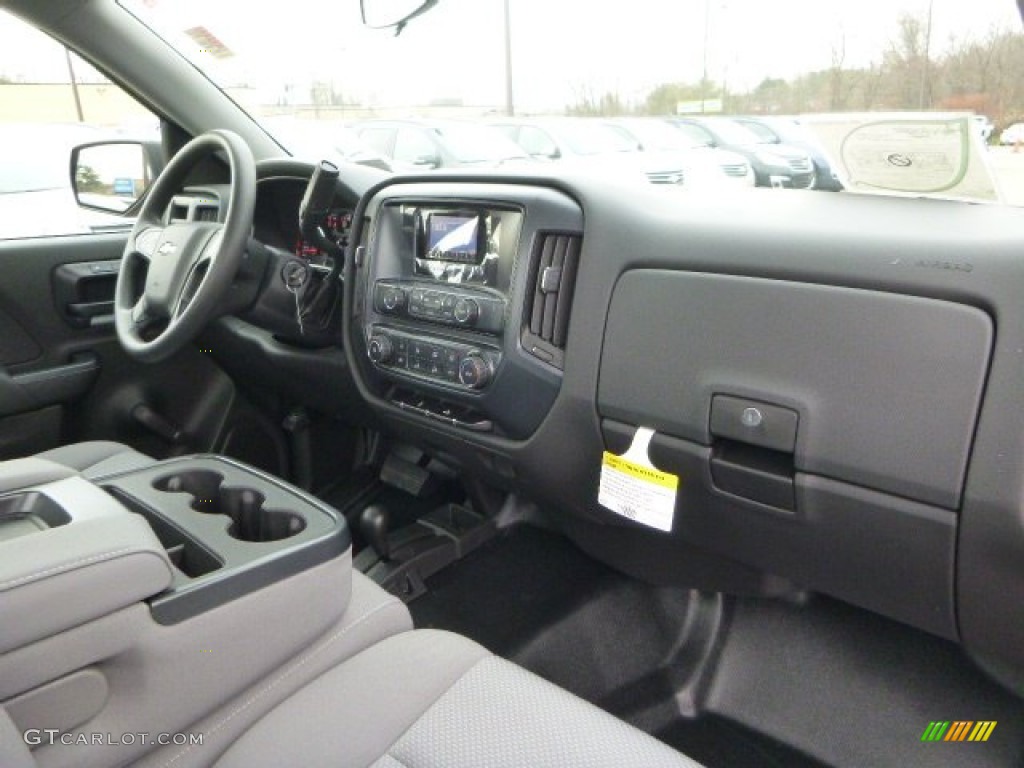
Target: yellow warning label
647, 474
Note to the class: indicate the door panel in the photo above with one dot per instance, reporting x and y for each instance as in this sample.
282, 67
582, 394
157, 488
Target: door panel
77, 383
16, 345
27, 301
50, 360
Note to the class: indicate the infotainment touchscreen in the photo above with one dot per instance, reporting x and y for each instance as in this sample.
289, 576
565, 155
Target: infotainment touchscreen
454, 237
464, 245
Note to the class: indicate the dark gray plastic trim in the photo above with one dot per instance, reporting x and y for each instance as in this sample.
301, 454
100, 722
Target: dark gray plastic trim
36, 389
860, 368
771, 427
247, 566
881, 552
947, 251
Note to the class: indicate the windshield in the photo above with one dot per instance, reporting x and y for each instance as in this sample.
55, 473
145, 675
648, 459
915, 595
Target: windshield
656, 134
869, 81
763, 133
478, 144
729, 132
591, 138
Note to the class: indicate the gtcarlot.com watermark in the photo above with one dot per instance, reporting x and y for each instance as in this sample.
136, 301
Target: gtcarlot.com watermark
36, 737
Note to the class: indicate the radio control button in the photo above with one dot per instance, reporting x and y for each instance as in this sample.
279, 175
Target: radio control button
466, 311
474, 371
380, 349
393, 298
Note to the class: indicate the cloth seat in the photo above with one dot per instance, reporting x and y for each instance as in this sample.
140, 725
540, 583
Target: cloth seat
96, 458
432, 699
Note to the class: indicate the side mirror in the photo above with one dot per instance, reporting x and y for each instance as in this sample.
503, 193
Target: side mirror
427, 161
110, 176
388, 14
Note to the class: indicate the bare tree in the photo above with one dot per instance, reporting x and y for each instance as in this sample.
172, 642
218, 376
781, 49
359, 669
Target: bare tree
838, 81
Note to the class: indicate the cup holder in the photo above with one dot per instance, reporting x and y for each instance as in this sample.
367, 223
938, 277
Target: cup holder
250, 520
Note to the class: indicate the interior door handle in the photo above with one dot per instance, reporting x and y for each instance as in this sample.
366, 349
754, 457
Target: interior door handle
84, 292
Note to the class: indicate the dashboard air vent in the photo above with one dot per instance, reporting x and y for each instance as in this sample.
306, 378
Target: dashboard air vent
552, 278
206, 213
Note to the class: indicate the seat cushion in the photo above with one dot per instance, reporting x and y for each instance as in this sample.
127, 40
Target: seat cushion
431, 699
97, 458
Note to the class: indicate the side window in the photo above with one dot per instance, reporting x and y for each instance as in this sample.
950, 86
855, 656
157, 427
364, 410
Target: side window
697, 133
510, 131
536, 142
413, 148
50, 102
380, 140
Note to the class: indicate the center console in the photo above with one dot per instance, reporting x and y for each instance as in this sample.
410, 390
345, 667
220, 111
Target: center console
227, 528
446, 283
456, 273
192, 594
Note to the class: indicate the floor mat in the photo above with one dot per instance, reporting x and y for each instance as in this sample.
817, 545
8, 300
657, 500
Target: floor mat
533, 597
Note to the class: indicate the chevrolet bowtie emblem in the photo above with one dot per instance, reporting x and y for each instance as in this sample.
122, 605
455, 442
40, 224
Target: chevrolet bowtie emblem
167, 249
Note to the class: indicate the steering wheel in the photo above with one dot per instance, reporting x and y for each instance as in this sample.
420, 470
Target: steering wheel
174, 276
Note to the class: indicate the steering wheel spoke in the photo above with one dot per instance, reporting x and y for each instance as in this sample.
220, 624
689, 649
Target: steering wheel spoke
191, 287
145, 243
141, 315
173, 278
212, 247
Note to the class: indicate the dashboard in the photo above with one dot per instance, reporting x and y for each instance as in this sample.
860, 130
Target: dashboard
834, 381
276, 222
448, 296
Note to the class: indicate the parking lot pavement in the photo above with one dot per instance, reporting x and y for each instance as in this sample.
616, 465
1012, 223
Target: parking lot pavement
1008, 167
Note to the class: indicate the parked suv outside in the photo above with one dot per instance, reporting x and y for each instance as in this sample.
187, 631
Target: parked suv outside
589, 145
984, 126
788, 130
703, 166
775, 165
1012, 135
428, 144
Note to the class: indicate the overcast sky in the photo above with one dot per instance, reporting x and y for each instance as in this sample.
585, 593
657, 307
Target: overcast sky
561, 48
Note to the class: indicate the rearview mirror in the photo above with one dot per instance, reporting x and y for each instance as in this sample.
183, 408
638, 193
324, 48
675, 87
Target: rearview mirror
387, 14
110, 176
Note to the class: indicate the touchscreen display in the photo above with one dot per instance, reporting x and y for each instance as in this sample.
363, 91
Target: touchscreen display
463, 245
453, 237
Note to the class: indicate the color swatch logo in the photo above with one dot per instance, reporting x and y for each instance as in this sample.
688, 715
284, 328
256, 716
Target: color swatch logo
959, 730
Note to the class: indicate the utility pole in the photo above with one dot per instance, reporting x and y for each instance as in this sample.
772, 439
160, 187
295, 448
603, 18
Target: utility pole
509, 104
704, 74
927, 56
74, 85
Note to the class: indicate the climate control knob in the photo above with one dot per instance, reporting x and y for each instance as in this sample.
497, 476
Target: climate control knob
381, 349
475, 371
392, 298
466, 311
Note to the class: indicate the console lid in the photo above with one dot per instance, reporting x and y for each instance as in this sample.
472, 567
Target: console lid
74, 554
